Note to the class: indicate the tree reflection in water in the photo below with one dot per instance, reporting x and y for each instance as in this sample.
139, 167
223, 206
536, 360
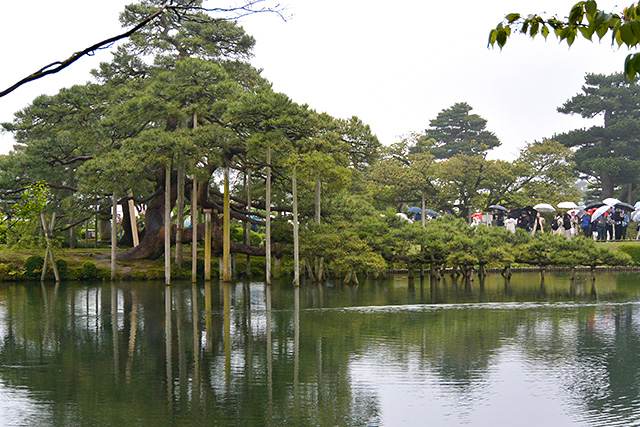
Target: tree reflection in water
249, 354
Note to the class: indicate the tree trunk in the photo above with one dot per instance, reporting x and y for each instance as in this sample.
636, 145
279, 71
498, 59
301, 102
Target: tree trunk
152, 244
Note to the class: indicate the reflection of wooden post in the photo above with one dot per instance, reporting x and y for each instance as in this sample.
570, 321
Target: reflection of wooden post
207, 244
48, 254
114, 235
269, 349
168, 336
194, 229
296, 341
132, 218
226, 240
196, 340
227, 332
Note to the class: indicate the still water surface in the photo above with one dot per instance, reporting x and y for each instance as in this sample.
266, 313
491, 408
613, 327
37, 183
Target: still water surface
387, 353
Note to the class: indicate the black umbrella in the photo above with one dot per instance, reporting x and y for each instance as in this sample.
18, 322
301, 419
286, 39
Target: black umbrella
498, 208
431, 213
625, 206
593, 205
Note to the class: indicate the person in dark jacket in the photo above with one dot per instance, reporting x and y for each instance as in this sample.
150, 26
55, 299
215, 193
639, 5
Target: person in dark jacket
524, 221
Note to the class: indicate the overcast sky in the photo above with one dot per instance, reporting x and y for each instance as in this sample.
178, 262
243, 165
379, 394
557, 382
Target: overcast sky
395, 65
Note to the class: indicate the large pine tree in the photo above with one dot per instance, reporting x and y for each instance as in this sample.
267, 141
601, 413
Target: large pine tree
607, 155
456, 131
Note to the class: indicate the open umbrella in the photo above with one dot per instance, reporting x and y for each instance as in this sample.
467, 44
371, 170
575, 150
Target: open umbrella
594, 205
635, 216
431, 213
637, 205
598, 212
544, 207
498, 208
610, 201
624, 206
414, 209
567, 205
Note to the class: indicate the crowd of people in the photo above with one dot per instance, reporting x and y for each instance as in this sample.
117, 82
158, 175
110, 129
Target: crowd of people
609, 224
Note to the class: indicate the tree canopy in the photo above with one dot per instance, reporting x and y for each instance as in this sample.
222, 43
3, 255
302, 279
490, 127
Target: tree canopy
456, 131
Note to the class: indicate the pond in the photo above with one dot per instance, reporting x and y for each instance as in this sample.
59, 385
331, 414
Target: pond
389, 352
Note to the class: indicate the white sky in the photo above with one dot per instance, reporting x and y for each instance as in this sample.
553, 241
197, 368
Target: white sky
395, 65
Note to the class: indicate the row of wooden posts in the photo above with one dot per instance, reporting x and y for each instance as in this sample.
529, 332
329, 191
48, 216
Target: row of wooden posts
226, 270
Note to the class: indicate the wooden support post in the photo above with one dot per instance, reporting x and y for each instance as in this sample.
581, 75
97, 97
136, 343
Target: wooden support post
48, 254
167, 226
179, 215
296, 241
132, 218
194, 229
226, 239
207, 244
114, 235
267, 242
247, 238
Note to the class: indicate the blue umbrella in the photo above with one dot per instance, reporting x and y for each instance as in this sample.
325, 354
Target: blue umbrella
414, 209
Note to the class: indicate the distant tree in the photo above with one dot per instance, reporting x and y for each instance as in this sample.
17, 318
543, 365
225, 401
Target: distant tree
456, 131
607, 154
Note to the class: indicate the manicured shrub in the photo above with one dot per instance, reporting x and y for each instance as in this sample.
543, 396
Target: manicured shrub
33, 266
89, 271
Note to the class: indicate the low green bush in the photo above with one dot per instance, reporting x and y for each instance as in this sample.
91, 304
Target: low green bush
33, 266
632, 250
89, 271
10, 272
63, 268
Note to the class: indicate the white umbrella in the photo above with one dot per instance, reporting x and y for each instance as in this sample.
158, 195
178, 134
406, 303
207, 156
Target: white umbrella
567, 205
544, 207
635, 216
637, 205
598, 212
610, 201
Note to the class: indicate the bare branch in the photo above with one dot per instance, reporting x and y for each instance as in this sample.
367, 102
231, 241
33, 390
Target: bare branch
61, 65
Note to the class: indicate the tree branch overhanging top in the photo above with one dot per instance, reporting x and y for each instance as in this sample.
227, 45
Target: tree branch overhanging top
237, 12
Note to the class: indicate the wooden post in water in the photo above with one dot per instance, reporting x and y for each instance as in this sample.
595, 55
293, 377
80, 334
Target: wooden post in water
226, 232
267, 243
207, 244
114, 235
167, 226
194, 229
